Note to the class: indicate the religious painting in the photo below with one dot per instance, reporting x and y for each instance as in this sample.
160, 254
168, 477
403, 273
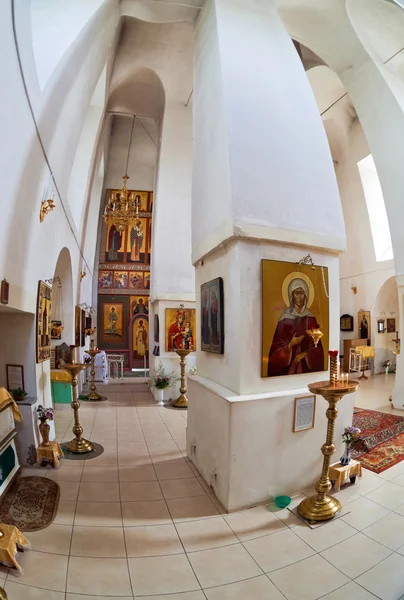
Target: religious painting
212, 316
136, 280
294, 300
180, 329
142, 201
140, 337
63, 356
105, 279
346, 323
56, 330
364, 325
146, 280
391, 326
77, 325
151, 202
4, 291
43, 322
120, 279
83, 328
139, 305
115, 245
113, 321
136, 244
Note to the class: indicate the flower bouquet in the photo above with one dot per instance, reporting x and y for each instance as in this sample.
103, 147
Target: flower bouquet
351, 434
45, 413
161, 379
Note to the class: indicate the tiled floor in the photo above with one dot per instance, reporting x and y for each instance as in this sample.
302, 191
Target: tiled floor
138, 522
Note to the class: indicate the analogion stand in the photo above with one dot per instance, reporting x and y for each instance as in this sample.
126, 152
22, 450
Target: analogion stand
78, 445
323, 507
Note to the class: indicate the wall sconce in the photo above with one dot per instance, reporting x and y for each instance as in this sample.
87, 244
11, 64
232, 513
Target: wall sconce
354, 288
46, 207
380, 326
82, 275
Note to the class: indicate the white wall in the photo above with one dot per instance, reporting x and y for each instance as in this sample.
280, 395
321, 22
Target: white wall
18, 347
265, 122
29, 249
358, 264
142, 157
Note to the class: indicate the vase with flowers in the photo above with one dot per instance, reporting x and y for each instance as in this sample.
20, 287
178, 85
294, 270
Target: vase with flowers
351, 434
45, 414
161, 379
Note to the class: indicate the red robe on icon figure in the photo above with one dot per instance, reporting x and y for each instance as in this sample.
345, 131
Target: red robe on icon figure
292, 350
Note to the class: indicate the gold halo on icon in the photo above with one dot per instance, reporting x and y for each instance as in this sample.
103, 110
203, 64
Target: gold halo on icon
297, 275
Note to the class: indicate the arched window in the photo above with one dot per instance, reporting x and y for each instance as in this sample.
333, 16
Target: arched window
376, 208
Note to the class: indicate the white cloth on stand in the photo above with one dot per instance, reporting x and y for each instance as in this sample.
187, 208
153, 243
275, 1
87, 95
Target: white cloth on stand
100, 366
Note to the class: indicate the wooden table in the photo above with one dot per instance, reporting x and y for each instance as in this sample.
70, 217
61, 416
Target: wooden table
50, 454
339, 473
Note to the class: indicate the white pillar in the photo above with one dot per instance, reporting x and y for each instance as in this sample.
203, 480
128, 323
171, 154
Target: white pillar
263, 179
398, 391
172, 272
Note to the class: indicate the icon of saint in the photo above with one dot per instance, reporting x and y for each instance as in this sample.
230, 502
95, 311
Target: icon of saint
292, 350
141, 336
176, 332
136, 241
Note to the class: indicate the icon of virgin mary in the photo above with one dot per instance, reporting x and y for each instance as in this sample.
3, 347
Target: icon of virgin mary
292, 350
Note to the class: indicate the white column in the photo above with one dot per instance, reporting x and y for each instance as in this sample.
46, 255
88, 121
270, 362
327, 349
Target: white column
172, 272
263, 179
398, 391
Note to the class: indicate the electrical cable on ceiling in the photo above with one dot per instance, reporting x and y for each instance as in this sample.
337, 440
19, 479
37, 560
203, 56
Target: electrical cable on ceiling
39, 135
130, 144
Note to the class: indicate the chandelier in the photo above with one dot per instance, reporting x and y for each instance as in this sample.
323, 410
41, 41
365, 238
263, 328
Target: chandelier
123, 206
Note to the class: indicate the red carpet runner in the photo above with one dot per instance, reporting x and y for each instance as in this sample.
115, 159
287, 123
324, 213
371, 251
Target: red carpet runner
381, 443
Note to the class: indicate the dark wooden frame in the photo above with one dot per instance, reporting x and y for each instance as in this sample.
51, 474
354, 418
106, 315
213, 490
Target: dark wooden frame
5, 291
207, 285
83, 327
77, 323
391, 325
350, 326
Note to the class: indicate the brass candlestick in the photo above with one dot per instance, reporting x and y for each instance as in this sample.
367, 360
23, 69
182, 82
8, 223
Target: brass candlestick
79, 445
323, 507
182, 400
93, 395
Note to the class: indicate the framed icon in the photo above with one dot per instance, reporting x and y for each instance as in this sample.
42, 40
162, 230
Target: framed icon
346, 323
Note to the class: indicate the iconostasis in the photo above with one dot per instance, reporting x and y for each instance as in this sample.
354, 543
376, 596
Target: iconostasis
124, 286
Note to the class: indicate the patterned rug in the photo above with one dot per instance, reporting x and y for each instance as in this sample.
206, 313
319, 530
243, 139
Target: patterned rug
31, 503
381, 443
385, 455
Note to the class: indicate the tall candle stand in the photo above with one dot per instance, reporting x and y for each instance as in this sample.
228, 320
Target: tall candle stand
78, 445
93, 395
182, 400
323, 507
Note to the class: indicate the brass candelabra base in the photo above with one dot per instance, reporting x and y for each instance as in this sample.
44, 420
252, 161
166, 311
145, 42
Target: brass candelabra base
323, 507
78, 445
182, 400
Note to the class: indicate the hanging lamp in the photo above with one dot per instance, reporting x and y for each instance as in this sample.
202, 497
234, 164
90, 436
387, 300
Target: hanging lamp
122, 206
